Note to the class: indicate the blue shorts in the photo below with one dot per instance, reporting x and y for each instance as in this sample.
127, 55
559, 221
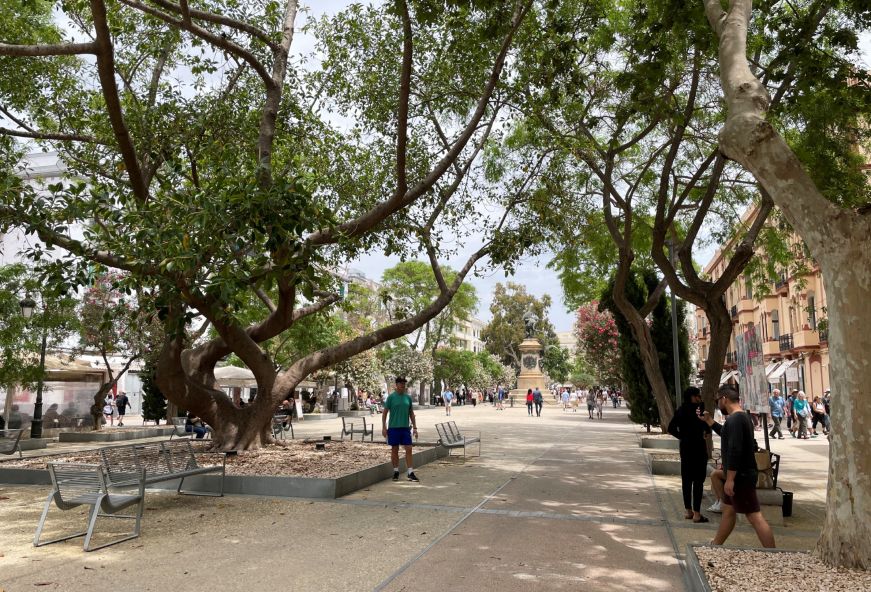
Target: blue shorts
399, 436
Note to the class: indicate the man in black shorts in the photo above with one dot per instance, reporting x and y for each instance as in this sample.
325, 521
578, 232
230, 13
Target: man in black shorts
121, 403
739, 465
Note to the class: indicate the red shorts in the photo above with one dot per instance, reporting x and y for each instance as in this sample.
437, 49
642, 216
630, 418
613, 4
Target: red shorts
744, 501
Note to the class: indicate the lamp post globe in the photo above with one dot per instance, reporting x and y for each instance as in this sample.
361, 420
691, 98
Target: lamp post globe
28, 305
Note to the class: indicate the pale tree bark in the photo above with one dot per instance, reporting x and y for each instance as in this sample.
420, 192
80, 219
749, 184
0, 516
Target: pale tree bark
838, 240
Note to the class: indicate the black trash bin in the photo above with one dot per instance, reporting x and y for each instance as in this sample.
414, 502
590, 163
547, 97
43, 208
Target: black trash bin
787, 504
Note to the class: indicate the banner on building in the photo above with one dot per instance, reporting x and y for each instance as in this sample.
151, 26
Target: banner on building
751, 371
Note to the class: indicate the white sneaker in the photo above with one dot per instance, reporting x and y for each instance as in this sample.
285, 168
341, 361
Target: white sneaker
715, 508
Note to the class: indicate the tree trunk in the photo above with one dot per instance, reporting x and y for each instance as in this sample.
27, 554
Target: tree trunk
838, 240
847, 526
721, 334
649, 357
97, 407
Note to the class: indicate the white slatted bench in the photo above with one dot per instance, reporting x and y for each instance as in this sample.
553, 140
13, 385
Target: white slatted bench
450, 437
161, 461
75, 485
10, 441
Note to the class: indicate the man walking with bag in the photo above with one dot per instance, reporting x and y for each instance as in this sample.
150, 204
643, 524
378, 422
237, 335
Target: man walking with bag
739, 466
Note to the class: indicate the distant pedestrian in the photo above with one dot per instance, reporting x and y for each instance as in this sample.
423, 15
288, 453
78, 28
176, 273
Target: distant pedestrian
397, 421
801, 411
686, 427
530, 400
739, 466
818, 411
777, 405
500, 396
566, 396
109, 412
448, 398
539, 400
591, 402
600, 403
121, 403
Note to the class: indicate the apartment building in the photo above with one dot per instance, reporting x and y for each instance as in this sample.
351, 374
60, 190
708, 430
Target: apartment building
790, 319
467, 335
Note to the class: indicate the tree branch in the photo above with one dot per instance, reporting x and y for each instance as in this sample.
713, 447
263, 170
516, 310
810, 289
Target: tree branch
36, 135
404, 91
219, 19
106, 72
42, 50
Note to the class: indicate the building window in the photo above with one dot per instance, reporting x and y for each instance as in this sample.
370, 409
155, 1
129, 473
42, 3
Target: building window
775, 324
792, 319
748, 287
812, 311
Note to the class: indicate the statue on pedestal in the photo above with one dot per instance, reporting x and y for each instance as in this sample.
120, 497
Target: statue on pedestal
530, 320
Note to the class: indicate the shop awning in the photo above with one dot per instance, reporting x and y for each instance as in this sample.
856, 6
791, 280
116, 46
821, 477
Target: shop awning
774, 375
727, 376
235, 376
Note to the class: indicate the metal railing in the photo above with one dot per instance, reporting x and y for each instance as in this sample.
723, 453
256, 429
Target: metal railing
824, 335
734, 311
780, 282
785, 342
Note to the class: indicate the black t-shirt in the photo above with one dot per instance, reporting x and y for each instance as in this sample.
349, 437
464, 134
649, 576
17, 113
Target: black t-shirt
121, 402
739, 447
687, 426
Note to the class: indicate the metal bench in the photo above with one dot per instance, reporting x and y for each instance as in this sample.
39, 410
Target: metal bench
75, 485
10, 441
281, 424
349, 429
161, 461
450, 437
180, 426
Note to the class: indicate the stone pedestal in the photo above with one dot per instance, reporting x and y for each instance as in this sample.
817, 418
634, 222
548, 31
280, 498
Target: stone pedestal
530, 375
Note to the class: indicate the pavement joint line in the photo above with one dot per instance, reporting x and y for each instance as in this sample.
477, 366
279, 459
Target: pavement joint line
662, 512
403, 568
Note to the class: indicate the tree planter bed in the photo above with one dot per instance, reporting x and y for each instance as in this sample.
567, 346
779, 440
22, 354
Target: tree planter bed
739, 569
318, 416
265, 485
116, 435
669, 443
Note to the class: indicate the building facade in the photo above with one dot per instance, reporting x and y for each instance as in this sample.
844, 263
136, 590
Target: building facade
467, 335
790, 319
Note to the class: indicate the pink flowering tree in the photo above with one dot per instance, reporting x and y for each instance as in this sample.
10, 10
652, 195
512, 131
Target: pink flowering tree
596, 335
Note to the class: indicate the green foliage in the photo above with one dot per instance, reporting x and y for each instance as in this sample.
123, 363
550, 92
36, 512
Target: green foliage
20, 338
363, 371
153, 401
410, 286
556, 363
455, 367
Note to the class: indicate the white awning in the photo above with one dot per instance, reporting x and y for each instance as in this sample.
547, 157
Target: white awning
774, 375
727, 376
234, 376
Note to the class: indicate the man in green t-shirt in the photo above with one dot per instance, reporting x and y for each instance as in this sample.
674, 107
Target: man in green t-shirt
397, 430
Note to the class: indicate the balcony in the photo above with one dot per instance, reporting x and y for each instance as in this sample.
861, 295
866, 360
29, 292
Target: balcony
731, 358
805, 339
734, 312
824, 335
781, 284
770, 348
785, 342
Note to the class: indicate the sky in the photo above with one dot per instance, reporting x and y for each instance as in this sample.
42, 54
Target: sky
533, 273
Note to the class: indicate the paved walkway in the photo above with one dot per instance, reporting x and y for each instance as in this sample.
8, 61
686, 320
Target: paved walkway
555, 503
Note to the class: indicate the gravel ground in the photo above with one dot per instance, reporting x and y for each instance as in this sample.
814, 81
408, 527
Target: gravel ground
734, 570
296, 459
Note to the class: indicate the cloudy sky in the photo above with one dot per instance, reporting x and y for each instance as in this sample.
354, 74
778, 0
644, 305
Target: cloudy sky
532, 273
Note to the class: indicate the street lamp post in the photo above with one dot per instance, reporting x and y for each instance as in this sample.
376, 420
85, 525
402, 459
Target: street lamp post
27, 307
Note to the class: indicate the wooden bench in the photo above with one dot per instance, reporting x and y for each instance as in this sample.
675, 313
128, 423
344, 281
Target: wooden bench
349, 429
450, 437
75, 485
161, 461
10, 441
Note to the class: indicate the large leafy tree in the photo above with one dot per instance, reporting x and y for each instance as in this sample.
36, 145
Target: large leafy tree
506, 330
409, 286
207, 166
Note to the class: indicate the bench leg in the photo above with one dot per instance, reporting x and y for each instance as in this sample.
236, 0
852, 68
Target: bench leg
136, 529
203, 493
41, 524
